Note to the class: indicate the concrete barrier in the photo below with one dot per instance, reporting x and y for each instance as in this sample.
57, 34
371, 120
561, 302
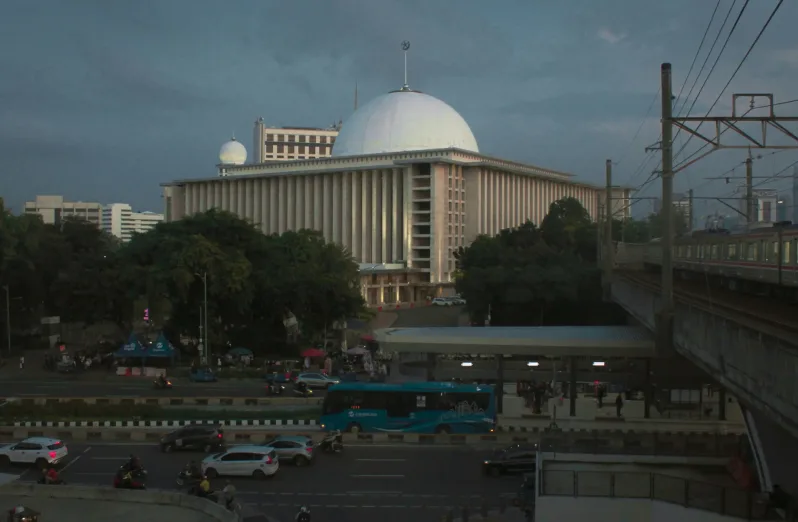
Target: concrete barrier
568, 441
173, 401
169, 498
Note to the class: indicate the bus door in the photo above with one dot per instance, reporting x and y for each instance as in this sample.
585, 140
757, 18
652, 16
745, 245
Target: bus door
398, 410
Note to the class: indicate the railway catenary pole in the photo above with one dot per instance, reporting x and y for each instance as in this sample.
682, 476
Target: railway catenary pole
749, 188
665, 326
609, 258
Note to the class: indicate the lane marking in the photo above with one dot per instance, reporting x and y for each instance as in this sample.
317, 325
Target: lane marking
377, 476
381, 460
371, 493
110, 458
87, 450
66, 466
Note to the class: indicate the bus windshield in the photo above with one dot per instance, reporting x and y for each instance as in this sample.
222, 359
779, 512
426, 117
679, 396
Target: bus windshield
410, 407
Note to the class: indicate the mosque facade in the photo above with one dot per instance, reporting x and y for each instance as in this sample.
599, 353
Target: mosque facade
404, 188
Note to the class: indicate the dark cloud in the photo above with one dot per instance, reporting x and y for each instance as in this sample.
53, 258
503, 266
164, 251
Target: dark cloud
105, 100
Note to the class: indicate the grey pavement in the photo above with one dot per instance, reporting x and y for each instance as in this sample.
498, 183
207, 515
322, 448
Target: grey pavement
386, 481
68, 510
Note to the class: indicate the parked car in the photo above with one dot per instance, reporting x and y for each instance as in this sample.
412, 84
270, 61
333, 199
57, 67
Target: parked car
514, 459
41, 451
242, 461
195, 437
297, 449
317, 380
457, 300
442, 301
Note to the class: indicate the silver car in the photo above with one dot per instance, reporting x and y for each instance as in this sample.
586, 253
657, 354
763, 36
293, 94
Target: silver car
317, 380
296, 449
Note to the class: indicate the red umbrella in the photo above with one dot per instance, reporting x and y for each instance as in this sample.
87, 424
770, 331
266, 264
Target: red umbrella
367, 338
313, 352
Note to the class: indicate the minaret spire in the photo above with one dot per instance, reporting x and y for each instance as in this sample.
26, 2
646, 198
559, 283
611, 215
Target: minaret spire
405, 48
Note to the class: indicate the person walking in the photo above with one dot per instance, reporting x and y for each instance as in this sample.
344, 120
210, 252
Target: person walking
618, 405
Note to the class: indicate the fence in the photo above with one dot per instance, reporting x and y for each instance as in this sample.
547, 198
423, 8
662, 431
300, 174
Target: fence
662, 444
654, 486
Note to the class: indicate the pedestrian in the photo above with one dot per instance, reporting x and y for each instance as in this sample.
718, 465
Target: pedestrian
618, 405
22, 362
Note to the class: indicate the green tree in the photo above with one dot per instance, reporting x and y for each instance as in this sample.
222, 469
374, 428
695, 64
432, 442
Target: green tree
655, 223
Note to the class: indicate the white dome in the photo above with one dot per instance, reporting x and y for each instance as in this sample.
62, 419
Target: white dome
400, 121
233, 153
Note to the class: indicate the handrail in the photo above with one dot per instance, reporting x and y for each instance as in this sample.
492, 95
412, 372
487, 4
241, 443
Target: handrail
693, 494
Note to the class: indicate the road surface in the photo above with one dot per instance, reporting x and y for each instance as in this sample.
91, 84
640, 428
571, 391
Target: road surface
392, 483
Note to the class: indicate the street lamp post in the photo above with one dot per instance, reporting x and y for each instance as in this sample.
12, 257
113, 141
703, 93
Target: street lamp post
205, 316
8, 319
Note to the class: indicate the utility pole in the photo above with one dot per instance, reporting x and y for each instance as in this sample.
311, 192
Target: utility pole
749, 188
205, 291
608, 247
794, 201
690, 219
667, 207
8, 320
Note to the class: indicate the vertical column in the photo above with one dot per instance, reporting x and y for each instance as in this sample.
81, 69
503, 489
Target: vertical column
318, 211
337, 213
647, 389
385, 236
307, 197
365, 233
290, 202
376, 203
355, 215
572, 361
264, 205
298, 201
500, 384
346, 208
281, 202
397, 214
328, 208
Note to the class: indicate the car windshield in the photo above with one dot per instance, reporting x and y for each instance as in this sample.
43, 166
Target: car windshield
216, 455
56, 445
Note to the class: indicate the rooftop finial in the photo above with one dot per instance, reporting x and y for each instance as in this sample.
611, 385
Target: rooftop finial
355, 94
405, 48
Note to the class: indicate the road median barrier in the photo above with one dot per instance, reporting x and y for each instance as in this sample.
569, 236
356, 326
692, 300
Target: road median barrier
568, 441
170, 401
31, 492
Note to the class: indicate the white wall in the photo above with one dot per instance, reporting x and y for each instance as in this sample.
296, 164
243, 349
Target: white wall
558, 509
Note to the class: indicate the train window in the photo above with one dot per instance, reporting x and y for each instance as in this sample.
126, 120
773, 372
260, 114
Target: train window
785, 252
731, 252
774, 247
689, 251
751, 251
714, 254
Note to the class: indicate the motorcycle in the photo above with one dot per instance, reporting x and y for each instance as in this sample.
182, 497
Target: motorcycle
301, 389
159, 384
274, 389
332, 443
125, 478
187, 477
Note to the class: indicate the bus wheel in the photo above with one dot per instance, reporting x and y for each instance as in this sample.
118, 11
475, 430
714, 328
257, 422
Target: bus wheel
443, 429
354, 428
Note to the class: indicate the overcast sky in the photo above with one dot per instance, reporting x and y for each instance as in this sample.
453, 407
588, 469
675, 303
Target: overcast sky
103, 100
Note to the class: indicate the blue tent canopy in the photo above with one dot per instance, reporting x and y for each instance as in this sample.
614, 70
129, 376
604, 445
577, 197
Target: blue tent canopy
161, 348
131, 349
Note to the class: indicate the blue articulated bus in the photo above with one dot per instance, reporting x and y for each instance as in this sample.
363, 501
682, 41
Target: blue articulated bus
416, 407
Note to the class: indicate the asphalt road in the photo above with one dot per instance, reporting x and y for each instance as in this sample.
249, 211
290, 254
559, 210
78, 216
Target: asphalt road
389, 482
130, 387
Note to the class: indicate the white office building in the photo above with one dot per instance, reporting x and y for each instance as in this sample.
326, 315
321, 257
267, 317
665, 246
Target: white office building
121, 221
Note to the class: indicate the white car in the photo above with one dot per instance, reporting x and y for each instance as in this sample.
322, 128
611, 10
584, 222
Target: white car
242, 461
41, 451
317, 380
442, 301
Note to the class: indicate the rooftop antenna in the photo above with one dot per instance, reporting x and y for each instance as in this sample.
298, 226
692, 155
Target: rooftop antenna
355, 94
405, 48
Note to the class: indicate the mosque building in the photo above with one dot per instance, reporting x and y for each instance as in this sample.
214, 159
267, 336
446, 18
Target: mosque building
404, 188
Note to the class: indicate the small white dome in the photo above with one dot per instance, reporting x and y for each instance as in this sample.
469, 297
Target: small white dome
400, 121
233, 153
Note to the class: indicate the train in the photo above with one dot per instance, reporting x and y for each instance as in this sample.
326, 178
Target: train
761, 260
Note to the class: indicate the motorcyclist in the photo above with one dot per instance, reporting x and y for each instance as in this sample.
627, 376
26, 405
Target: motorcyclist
133, 464
162, 380
204, 487
193, 470
303, 515
51, 476
229, 493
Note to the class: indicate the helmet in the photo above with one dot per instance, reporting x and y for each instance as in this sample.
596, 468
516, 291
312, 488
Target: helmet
303, 509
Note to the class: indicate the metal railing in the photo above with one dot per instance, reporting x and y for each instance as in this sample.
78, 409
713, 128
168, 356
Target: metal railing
692, 494
659, 444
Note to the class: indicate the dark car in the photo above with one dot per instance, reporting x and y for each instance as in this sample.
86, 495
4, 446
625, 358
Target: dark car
197, 437
515, 459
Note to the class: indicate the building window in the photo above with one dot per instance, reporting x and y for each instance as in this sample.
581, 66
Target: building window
312, 139
270, 137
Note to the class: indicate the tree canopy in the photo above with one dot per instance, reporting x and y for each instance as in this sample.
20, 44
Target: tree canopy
536, 276
77, 272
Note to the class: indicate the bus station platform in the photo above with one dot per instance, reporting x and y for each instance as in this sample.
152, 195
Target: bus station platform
551, 341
